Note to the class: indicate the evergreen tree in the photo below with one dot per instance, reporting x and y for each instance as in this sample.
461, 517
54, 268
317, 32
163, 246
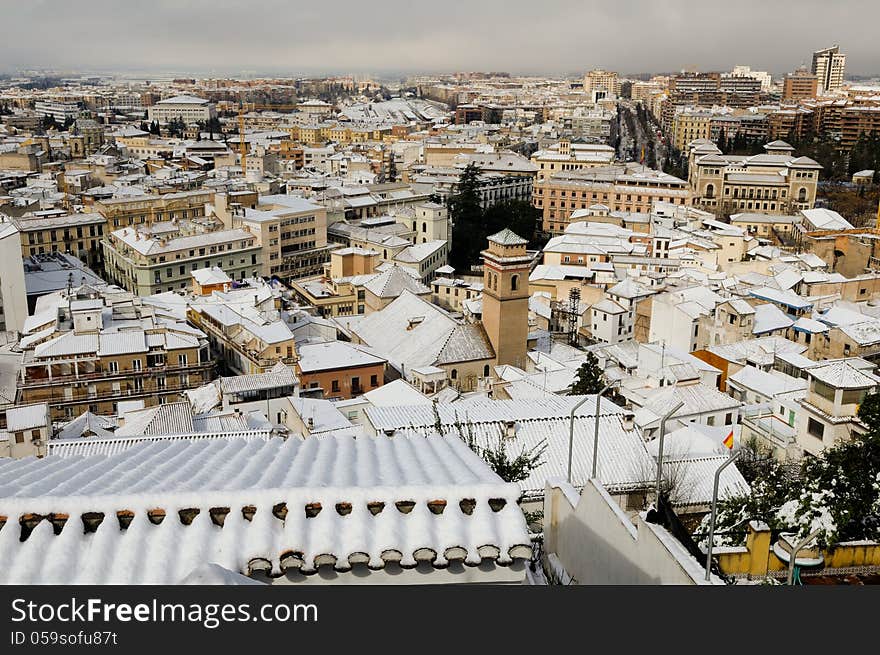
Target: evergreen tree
590, 378
466, 214
722, 141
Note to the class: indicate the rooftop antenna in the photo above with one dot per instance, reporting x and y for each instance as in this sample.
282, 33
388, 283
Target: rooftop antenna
574, 299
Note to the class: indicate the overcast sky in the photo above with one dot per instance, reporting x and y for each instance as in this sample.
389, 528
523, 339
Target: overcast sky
376, 36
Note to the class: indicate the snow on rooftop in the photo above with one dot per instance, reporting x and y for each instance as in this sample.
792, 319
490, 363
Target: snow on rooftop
255, 505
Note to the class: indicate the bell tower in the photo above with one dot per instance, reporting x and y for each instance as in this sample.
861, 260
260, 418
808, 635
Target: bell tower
506, 297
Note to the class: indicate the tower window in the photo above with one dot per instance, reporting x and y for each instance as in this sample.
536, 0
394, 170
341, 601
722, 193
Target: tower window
514, 282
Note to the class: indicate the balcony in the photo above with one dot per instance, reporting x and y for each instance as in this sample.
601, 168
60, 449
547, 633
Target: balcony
151, 371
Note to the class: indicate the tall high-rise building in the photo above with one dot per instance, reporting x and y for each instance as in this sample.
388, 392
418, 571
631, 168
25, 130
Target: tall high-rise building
599, 84
828, 67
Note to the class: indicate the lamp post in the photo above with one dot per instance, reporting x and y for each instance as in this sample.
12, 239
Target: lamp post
663, 420
571, 427
711, 543
596, 427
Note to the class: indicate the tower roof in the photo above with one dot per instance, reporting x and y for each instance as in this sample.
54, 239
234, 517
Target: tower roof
507, 237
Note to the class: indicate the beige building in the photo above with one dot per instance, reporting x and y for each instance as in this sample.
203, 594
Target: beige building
77, 357
150, 259
690, 124
626, 187
58, 231
567, 156
506, 297
123, 212
828, 67
601, 84
775, 182
189, 109
291, 231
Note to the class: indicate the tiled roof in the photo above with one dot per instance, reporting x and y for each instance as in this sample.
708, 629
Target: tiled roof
276, 505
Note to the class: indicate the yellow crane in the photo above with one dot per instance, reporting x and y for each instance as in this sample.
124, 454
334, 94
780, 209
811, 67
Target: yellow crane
242, 144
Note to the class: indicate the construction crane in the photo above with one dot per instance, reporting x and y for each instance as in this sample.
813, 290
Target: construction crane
242, 144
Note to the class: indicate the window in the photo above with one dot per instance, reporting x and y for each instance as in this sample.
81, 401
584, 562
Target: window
334, 386
113, 367
19, 437
710, 420
815, 428
454, 374
136, 365
374, 380
728, 418
181, 360
486, 371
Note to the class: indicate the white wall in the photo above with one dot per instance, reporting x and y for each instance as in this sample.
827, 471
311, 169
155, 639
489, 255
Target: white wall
12, 286
597, 544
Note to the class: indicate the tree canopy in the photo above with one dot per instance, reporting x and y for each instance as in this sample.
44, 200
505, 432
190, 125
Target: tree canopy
836, 493
471, 224
590, 378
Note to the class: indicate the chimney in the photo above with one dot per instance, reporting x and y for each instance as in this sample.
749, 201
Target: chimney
509, 429
629, 422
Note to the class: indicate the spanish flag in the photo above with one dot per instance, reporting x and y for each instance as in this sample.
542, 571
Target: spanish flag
728, 440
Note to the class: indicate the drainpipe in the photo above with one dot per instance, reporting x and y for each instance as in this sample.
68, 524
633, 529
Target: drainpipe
794, 551
660, 450
711, 541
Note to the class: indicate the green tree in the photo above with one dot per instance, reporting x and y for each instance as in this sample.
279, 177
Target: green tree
518, 215
590, 378
466, 214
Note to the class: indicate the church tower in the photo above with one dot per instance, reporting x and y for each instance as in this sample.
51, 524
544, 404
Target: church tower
506, 296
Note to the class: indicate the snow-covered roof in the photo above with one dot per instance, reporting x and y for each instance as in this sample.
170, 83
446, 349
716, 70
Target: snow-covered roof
332, 355
769, 318
843, 375
768, 384
272, 506
623, 463
26, 417
822, 218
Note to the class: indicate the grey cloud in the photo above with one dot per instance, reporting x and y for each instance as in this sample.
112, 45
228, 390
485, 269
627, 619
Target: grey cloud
534, 36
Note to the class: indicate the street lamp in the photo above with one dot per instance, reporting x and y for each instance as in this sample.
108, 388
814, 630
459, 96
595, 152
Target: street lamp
596, 426
794, 552
663, 420
571, 427
710, 543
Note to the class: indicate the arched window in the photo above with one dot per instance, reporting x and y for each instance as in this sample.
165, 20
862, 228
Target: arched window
486, 371
802, 195
514, 282
414, 226
710, 190
424, 227
454, 374
384, 254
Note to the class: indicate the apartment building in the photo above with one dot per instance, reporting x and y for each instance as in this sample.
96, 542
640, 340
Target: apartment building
828, 66
135, 210
291, 231
601, 84
800, 85
91, 348
775, 182
60, 110
567, 156
149, 259
245, 327
690, 124
58, 231
626, 187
